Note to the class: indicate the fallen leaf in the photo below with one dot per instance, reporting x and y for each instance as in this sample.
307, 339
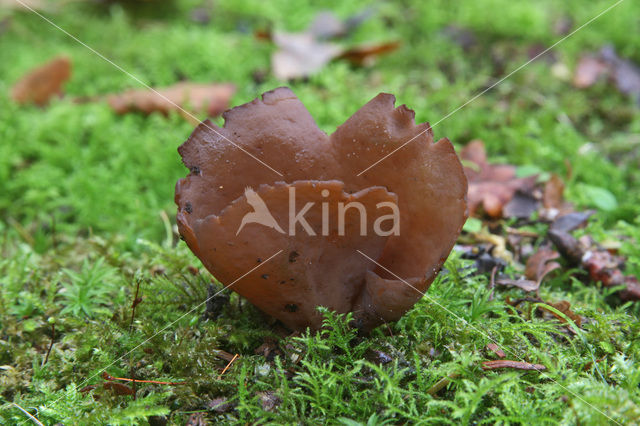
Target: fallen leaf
518, 365
553, 194
539, 264
364, 54
302, 54
526, 285
490, 186
601, 265
522, 205
564, 307
567, 245
571, 221
496, 350
210, 98
42, 83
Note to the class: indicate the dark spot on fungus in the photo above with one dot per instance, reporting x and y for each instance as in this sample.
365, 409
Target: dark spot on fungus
293, 256
282, 282
188, 208
291, 307
265, 276
195, 170
258, 260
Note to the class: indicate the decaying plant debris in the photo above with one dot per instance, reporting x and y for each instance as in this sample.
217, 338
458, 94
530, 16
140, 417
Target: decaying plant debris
42, 83
425, 178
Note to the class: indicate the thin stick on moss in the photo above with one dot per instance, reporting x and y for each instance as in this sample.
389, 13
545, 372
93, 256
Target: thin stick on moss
227, 367
53, 336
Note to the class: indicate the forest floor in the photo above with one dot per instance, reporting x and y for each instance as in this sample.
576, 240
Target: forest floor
87, 220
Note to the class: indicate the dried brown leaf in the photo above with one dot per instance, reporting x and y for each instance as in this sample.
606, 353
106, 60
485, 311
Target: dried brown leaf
303, 54
553, 194
490, 186
526, 285
564, 307
210, 98
364, 54
42, 83
539, 264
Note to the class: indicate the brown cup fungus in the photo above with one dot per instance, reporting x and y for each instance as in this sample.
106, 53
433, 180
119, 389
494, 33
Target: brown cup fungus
307, 228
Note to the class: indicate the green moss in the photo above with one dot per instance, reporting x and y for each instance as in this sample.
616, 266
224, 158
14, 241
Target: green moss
85, 196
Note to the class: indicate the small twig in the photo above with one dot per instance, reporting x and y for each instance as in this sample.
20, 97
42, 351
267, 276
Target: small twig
53, 336
106, 376
136, 301
31, 416
227, 367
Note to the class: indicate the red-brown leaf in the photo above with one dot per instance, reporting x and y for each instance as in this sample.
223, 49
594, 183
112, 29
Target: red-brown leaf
496, 350
363, 54
42, 83
553, 194
305, 53
564, 307
526, 285
210, 98
491, 186
539, 264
